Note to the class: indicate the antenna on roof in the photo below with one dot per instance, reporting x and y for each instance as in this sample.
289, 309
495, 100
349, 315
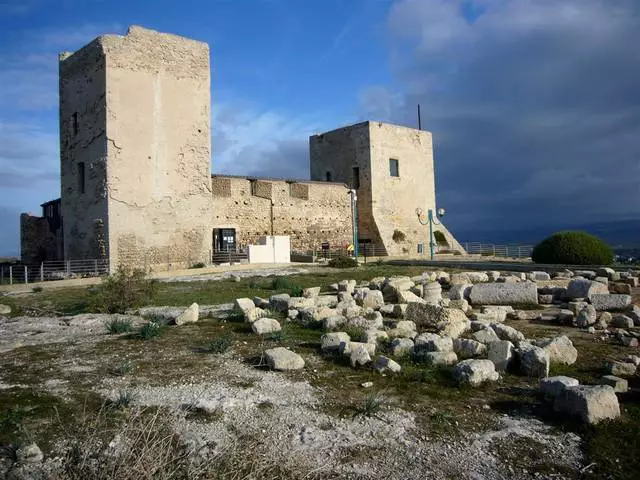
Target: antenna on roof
419, 119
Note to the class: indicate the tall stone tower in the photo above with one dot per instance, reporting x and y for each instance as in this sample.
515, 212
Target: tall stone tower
135, 145
391, 167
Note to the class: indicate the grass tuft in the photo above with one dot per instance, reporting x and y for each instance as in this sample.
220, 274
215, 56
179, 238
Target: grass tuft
372, 405
123, 400
117, 325
219, 345
150, 330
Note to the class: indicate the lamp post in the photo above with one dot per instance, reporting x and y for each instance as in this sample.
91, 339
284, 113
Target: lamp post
431, 222
354, 220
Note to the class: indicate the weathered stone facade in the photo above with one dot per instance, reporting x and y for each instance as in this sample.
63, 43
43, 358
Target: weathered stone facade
136, 183
309, 212
391, 167
136, 149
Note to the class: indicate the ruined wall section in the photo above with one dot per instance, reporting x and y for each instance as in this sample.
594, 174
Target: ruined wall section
397, 198
159, 148
310, 213
83, 150
339, 152
38, 241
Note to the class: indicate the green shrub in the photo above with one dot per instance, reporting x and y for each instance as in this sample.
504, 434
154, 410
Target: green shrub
356, 334
37, 289
127, 288
398, 236
284, 285
573, 248
150, 330
219, 345
117, 325
198, 265
343, 262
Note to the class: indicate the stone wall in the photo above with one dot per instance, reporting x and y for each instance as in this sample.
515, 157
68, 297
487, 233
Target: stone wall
147, 101
40, 241
338, 153
83, 149
309, 212
386, 204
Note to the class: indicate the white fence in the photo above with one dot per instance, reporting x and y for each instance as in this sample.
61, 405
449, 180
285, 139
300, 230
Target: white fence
492, 250
60, 270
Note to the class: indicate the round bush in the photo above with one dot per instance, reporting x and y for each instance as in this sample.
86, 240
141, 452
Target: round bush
573, 248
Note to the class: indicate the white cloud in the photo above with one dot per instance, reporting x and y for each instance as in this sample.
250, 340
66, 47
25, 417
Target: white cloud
250, 141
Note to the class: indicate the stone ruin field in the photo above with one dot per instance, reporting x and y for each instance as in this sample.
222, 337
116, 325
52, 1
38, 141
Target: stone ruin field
374, 372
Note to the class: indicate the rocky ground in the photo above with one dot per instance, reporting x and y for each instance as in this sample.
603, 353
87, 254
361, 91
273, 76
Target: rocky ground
86, 397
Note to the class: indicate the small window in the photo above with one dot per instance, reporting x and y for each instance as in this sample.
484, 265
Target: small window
356, 177
328, 176
74, 121
394, 168
81, 183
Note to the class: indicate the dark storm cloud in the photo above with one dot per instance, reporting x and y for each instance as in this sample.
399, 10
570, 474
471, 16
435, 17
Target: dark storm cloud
534, 105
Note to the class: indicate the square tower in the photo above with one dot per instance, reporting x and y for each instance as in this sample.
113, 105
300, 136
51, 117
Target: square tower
392, 169
135, 146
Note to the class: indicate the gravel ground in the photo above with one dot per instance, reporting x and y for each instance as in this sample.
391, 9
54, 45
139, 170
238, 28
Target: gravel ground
288, 418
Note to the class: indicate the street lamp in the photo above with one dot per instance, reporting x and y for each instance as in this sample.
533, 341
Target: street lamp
431, 222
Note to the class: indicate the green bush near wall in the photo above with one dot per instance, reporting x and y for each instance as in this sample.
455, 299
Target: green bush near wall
573, 248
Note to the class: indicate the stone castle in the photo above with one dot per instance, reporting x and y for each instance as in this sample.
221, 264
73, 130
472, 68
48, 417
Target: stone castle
135, 170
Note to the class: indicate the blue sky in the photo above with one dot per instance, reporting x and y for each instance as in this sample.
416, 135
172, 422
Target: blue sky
534, 104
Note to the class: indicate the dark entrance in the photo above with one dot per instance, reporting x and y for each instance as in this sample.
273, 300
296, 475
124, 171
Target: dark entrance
224, 240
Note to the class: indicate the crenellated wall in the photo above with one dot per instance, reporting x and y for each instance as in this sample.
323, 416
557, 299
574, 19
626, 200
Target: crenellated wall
309, 212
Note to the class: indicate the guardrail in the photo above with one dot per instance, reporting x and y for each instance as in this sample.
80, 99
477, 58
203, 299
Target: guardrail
493, 250
55, 270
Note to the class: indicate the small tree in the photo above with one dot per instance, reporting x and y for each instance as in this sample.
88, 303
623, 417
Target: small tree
127, 288
573, 248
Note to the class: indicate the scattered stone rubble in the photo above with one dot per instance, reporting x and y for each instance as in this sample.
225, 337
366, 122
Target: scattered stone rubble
458, 320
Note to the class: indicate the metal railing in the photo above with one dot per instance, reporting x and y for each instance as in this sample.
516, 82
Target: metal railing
493, 250
54, 270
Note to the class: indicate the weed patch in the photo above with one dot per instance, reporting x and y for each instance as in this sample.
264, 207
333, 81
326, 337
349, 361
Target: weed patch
117, 325
219, 345
150, 330
127, 288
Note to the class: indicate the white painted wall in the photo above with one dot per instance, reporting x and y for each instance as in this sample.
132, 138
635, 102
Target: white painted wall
271, 249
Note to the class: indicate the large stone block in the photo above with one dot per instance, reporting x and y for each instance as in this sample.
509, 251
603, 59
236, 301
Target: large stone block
282, 359
591, 404
501, 354
607, 301
504, 293
583, 288
561, 350
475, 372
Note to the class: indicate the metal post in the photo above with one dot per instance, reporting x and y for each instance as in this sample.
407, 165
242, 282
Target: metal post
10, 274
95, 267
26, 274
42, 271
68, 268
